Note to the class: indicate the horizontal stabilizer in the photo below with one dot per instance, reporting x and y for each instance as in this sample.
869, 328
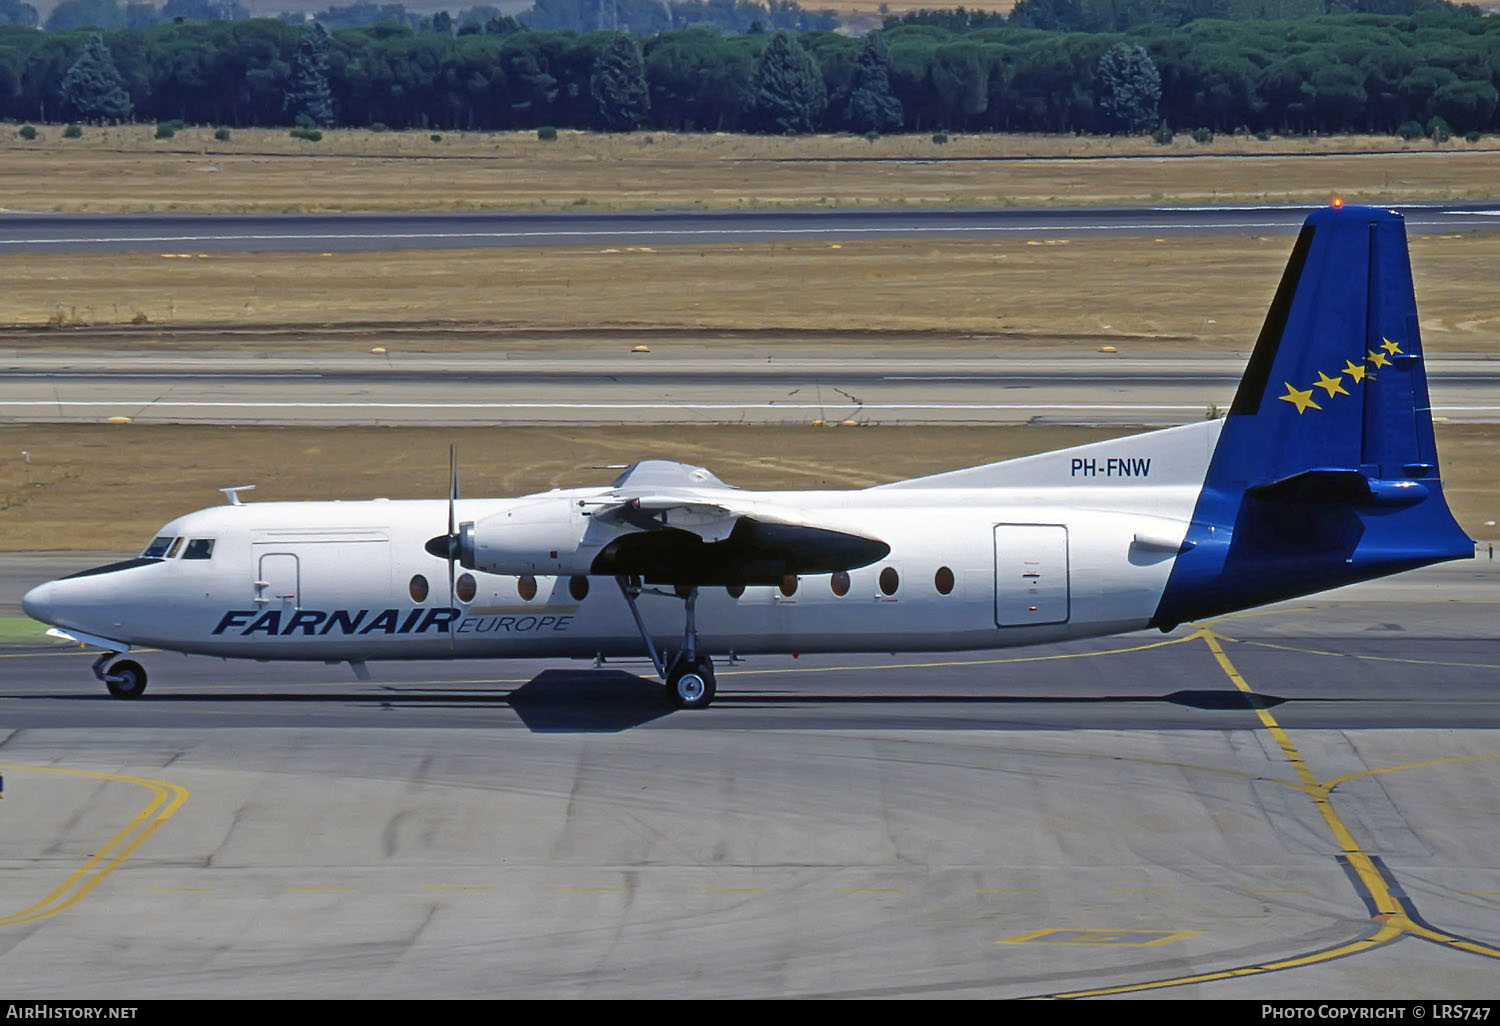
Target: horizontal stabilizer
1341, 485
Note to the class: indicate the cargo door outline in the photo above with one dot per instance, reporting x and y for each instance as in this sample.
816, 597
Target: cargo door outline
1032, 585
278, 581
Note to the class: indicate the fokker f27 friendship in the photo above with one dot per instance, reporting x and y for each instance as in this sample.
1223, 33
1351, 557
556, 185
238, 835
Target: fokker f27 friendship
1323, 472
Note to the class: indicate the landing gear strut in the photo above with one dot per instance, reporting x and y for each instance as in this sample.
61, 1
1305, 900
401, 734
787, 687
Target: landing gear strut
125, 678
689, 675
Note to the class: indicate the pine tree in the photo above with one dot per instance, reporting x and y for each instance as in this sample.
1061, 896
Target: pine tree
1127, 89
786, 92
872, 106
92, 89
622, 100
307, 97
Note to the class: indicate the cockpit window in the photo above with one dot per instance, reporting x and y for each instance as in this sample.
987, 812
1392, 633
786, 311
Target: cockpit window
158, 547
172, 552
199, 548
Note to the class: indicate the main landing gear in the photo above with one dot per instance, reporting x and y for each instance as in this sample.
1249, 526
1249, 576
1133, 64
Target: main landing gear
689, 675
126, 678
691, 685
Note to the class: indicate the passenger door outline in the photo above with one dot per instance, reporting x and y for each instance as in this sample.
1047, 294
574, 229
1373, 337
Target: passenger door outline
1032, 585
278, 581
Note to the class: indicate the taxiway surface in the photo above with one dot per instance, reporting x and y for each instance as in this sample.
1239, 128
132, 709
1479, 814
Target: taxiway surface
62, 233
469, 390
1298, 802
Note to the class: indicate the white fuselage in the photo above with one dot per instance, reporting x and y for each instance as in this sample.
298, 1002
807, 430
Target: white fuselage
1044, 553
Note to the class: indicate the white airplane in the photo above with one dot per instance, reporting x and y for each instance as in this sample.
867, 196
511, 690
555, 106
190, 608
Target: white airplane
1323, 472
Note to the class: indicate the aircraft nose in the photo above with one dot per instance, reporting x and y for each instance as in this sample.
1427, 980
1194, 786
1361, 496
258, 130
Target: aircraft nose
37, 603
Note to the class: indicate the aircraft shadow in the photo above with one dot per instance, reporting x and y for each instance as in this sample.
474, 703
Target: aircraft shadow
592, 701
610, 701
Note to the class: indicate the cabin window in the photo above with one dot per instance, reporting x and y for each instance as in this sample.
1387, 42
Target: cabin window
466, 587
735, 590
158, 547
789, 585
418, 588
889, 580
839, 582
943, 580
578, 587
526, 587
199, 548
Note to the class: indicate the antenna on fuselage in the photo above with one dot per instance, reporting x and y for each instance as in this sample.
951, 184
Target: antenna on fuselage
233, 494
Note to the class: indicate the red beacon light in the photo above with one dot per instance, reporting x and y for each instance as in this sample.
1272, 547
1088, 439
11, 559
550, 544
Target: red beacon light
1338, 202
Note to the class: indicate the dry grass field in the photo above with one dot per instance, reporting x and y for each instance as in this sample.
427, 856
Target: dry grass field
1198, 294
110, 486
262, 170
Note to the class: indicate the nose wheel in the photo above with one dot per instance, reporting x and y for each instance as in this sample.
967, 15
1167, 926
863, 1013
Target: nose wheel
125, 678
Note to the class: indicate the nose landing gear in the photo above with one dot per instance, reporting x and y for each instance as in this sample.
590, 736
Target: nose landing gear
126, 678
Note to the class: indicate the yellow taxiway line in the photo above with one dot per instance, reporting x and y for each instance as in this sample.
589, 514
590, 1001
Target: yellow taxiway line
1392, 918
166, 801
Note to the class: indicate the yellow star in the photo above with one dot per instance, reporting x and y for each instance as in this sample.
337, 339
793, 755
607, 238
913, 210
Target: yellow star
1301, 400
1378, 359
1389, 346
1357, 373
1330, 385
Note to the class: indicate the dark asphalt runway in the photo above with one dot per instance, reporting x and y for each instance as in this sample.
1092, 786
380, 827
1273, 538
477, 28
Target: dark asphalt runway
57, 233
1090, 689
1378, 656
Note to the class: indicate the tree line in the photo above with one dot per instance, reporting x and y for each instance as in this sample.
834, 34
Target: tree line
639, 17
1331, 73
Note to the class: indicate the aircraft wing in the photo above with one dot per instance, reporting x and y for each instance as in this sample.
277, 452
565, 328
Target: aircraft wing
752, 551
710, 521
690, 528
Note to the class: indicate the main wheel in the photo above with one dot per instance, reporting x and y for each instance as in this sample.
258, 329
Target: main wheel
126, 679
692, 686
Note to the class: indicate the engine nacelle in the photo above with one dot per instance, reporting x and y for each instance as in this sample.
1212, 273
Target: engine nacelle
538, 536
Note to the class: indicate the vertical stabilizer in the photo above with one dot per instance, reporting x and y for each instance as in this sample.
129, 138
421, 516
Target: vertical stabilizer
1326, 470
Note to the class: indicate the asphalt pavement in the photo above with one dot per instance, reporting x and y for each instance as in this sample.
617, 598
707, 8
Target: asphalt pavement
62, 233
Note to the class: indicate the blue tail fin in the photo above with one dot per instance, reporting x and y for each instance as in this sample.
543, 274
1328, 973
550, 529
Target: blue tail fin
1326, 470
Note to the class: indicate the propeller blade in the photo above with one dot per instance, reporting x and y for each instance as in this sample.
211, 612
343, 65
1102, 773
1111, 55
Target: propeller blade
452, 529
452, 487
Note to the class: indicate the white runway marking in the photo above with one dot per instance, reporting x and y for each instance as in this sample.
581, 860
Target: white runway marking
195, 403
